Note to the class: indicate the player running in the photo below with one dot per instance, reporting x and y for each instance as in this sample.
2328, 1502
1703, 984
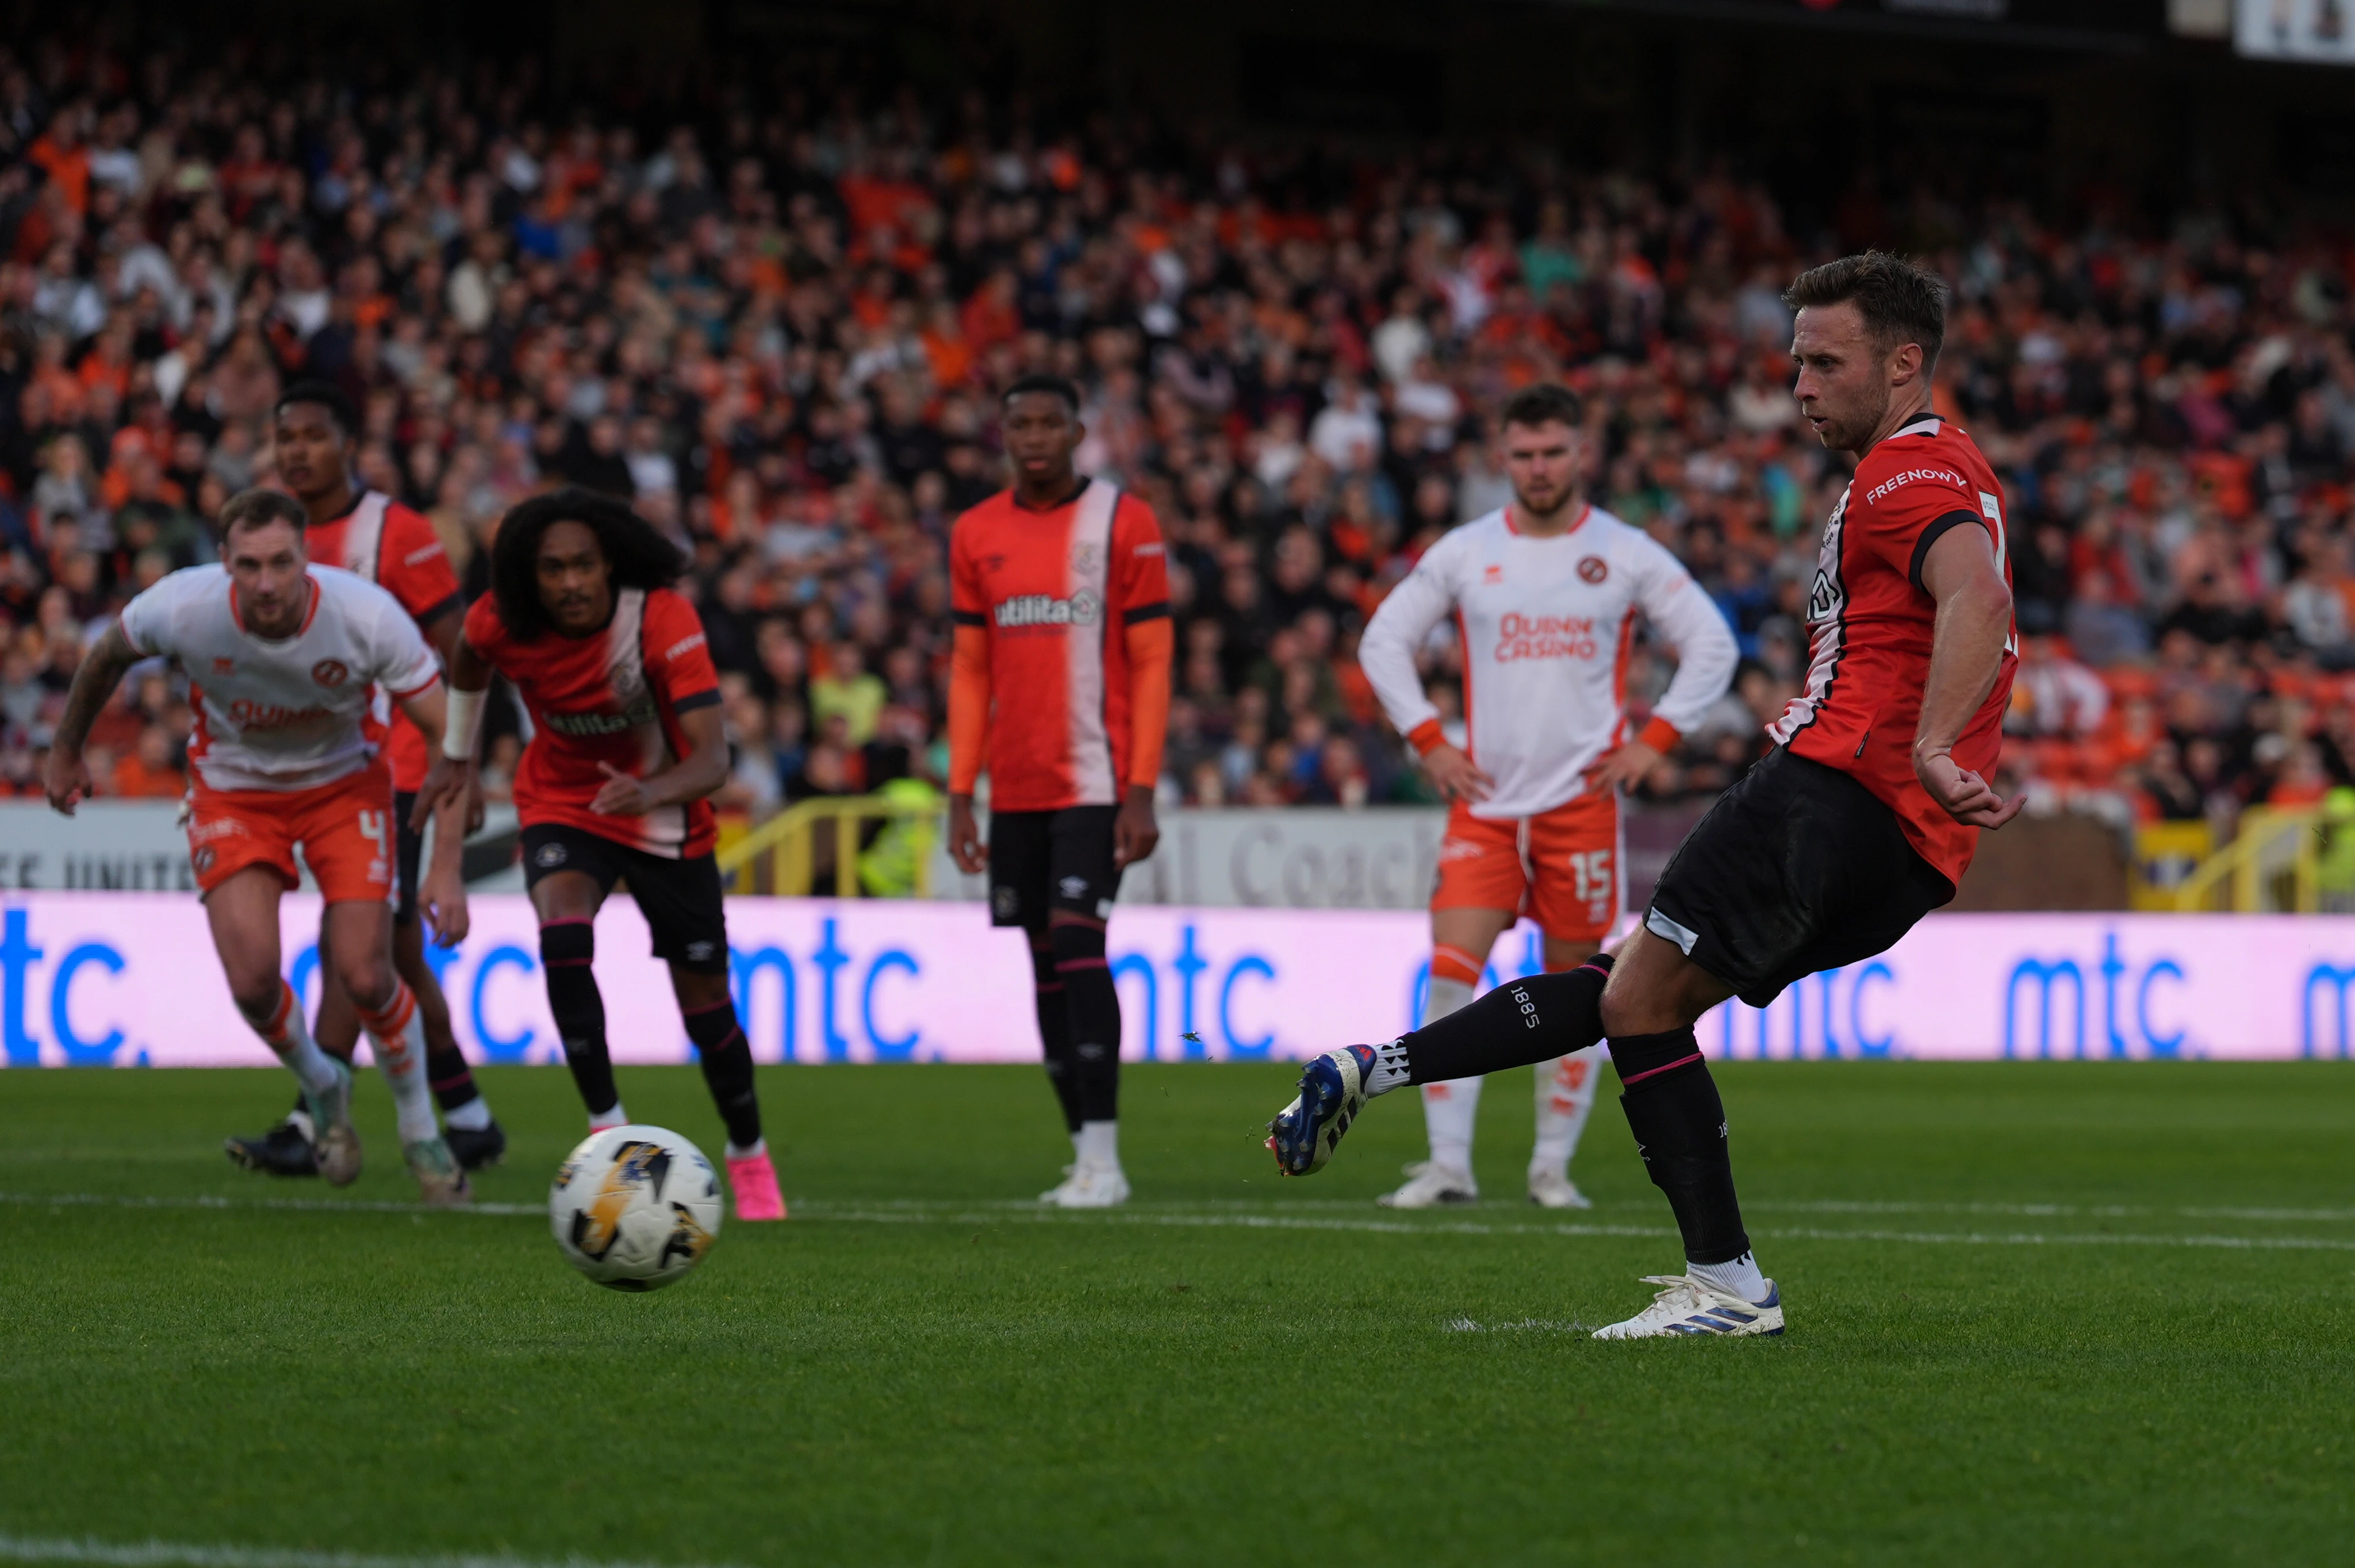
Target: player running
282, 659
626, 745
1061, 596
1543, 594
367, 533
1859, 821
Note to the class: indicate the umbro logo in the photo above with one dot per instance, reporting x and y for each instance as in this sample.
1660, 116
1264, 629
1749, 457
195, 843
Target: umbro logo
1074, 886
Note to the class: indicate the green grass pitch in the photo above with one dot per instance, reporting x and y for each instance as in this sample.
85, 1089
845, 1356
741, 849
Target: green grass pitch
2039, 1313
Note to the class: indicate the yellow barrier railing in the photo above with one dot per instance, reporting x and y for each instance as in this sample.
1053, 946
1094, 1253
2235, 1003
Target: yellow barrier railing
782, 852
2274, 863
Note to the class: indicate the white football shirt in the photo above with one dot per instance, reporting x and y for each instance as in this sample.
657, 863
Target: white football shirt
282, 715
1546, 625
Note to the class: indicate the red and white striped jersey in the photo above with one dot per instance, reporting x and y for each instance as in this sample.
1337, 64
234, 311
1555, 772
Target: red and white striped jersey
1546, 624
1872, 623
397, 549
290, 713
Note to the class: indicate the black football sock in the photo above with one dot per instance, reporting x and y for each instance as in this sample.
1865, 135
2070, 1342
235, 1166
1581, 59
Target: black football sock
453, 1081
1054, 1030
1094, 1008
1680, 1125
1534, 1018
726, 1057
567, 948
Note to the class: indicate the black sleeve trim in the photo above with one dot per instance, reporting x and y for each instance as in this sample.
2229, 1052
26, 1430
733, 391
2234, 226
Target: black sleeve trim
1157, 610
433, 612
1931, 534
969, 617
708, 697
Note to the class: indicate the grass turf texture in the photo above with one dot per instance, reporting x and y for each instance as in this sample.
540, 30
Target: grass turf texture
920, 1369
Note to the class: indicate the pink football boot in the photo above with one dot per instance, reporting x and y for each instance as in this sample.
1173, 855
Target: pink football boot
754, 1181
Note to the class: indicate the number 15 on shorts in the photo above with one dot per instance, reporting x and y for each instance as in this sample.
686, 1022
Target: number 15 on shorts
1596, 881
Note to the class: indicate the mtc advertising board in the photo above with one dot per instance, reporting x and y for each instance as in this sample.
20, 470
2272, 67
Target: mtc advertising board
127, 978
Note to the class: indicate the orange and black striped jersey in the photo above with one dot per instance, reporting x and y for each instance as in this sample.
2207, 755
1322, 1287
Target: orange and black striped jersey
1063, 649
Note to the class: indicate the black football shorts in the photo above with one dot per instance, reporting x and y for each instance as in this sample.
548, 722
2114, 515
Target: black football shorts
1797, 868
1044, 860
680, 898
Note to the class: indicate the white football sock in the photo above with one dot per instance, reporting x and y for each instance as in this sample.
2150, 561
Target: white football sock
397, 1033
472, 1116
288, 1035
1449, 1110
1741, 1278
1390, 1069
759, 1147
613, 1116
1098, 1143
1565, 1094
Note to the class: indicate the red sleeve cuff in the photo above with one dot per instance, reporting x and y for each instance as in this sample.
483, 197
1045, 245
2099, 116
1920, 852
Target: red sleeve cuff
1660, 735
1425, 737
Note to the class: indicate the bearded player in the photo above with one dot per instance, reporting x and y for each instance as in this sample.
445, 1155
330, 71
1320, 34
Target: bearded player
1061, 681
1861, 821
1544, 596
283, 660
367, 533
613, 785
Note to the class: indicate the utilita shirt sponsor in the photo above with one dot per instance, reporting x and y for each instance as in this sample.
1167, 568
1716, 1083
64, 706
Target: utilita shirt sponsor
1872, 621
289, 713
609, 699
1545, 623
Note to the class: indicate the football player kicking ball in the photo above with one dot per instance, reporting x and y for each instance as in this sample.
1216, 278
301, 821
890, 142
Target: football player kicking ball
365, 532
282, 658
626, 745
1857, 823
1544, 594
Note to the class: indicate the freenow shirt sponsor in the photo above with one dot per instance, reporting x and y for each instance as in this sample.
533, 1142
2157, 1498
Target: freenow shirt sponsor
1903, 477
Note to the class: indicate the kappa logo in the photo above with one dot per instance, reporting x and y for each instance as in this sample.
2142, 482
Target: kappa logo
330, 672
1593, 569
549, 855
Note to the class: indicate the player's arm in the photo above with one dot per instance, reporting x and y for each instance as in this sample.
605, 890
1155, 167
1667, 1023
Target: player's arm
703, 769
445, 631
1706, 654
1386, 653
453, 777
442, 892
1959, 571
968, 709
103, 668
1152, 644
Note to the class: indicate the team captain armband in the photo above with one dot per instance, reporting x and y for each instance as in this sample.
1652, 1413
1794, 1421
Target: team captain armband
1427, 737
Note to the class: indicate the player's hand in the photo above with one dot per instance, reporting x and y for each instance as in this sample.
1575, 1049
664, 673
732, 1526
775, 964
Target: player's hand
1134, 832
623, 795
1963, 794
69, 779
1455, 775
473, 801
1623, 767
964, 837
443, 781
442, 899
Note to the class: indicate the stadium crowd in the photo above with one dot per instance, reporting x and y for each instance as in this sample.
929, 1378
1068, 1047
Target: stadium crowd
778, 328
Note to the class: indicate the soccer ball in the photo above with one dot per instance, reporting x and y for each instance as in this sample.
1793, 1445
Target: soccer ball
635, 1208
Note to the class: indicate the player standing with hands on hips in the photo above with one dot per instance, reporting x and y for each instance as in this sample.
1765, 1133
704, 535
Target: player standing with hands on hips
627, 747
1061, 681
1544, 594
1859, 821
284, 660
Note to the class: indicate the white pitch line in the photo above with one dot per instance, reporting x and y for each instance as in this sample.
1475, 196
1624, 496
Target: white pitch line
155, 1554
911, 1213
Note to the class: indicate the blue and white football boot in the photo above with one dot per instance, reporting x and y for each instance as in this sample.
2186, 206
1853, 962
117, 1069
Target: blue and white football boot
1332, 1092
1691, 1307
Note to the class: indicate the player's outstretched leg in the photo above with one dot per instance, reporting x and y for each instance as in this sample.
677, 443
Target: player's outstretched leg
726, 1057
1519, 1022
1565, 1095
